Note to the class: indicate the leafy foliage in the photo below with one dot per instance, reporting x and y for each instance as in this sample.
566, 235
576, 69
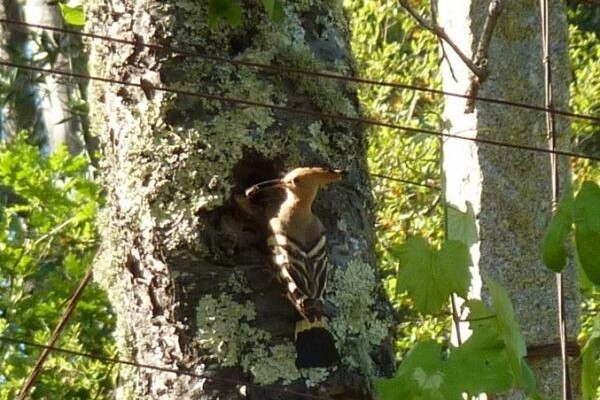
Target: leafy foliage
73, 15
430, 277
584, 52
554, 250
491, 360
47, 242
586, 215
390, 46
583, 215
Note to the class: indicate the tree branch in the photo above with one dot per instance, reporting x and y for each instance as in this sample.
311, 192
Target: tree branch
437, 30
481, 55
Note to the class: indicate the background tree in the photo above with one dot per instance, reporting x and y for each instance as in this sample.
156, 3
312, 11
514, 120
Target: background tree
510, 191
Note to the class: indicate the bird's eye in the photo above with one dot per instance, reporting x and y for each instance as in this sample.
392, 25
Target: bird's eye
295, 181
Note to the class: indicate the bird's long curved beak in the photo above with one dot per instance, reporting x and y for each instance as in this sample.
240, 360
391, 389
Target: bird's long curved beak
252, 190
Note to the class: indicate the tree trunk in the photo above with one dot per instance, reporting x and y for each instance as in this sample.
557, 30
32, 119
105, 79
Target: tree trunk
62, 127
510, 190
21, 111
184, 261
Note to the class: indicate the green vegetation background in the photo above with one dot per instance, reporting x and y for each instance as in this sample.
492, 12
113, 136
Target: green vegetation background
48, 205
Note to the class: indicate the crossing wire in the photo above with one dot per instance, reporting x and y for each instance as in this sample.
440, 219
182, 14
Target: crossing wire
319, 114
295, 70
115, 360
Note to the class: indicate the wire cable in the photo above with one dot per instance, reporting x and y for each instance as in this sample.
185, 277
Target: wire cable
552, 143
116, 360
295, 70
319, 114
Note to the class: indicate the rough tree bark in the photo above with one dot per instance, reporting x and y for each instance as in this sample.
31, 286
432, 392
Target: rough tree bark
510, 190
186, 267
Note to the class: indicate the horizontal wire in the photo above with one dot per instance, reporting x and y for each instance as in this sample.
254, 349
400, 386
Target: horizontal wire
395, 179
283, 68
115, 360
318, 114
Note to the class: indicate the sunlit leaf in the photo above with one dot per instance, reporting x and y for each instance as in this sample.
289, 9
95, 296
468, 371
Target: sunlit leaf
480, 364
586, 214
511, 334
554, 250
73, 15
430, 276
462, 226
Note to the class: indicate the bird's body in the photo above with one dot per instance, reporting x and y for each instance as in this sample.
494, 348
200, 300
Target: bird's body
298, 244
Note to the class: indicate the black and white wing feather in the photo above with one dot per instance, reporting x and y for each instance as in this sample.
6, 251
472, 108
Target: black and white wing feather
304, 270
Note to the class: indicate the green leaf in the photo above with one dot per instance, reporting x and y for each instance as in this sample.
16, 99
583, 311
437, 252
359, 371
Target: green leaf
454, 261
73, 15
586, 214
231, 10
511, 334
462, 225
480, 364
424, 357
275, 9
430, 276
554, 250
590, 370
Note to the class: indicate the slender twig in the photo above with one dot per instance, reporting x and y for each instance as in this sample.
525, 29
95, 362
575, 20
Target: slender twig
54, 231
437, 30
552, 144
39, 365
434, 17
481, 55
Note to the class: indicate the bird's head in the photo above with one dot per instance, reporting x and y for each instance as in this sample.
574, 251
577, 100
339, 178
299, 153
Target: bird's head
303, 182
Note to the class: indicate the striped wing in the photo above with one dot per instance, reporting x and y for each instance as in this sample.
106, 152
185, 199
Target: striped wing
303, 270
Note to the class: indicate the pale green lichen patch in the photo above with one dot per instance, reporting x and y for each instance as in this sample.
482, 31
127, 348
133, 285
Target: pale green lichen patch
199, 160
327, 94
268, 365
356, 327
225, 330
236, 283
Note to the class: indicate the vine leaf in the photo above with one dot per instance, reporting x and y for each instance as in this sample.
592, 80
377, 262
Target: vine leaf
554, 249
510, 332
586, 215
590, 371
462, 225
428, 372
480, 364
73, 15
420, 376
431, 276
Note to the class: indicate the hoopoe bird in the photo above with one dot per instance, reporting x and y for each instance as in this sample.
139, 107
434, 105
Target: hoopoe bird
298, 244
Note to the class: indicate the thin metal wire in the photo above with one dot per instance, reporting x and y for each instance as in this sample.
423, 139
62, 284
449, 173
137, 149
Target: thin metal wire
552, 143
395, 179
115, 360
294, 70
319, 114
